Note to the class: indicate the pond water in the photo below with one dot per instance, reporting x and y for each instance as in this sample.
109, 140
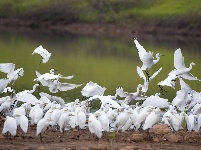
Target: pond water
109, 61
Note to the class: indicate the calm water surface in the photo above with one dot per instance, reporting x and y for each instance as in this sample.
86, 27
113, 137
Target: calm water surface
109, 61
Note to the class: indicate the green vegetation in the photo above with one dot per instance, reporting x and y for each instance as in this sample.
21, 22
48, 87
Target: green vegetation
105, 11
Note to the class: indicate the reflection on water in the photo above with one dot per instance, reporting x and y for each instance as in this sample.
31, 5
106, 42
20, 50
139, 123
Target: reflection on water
109, 61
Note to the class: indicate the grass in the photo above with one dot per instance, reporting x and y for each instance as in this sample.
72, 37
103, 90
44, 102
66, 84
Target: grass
102, 10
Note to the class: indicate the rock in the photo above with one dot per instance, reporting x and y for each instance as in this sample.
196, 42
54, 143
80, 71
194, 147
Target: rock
171, 137
159, 129
156, 139
136, 137
190, 138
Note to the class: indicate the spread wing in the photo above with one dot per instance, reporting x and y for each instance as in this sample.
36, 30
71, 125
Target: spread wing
155, 74
7, 67
3, 84
67, 86
140, 73
140, 48
179, 60
43, 52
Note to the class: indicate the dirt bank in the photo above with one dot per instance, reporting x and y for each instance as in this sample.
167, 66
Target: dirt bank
101, 28
160, 138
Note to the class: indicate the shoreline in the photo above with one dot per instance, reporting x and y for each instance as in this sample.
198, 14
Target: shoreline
100, 28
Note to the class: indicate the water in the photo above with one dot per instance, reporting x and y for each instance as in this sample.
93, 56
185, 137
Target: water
109, 61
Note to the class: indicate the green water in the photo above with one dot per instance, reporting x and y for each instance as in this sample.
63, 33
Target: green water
110, 62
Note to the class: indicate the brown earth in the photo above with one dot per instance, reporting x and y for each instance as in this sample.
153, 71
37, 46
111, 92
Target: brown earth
160, 138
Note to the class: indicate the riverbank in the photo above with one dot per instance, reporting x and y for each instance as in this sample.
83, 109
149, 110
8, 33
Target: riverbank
106, 29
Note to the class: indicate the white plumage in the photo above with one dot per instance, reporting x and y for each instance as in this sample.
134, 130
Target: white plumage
43, 53
12, 74
146, 57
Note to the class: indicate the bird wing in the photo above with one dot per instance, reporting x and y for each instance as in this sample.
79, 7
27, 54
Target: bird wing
38, 74
196, 96
43, 52
183, 84
189, 76
179, 60
67, 86
155, 74
140, 73
120, 92
140, 48
68, 77
155, 101
105, 99
3, 84
7, 67
52, 98
25, 97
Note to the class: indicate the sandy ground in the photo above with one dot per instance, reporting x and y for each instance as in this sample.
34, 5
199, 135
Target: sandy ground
83, 140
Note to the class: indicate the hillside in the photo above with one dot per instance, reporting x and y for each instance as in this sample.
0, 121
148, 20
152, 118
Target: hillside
182, 15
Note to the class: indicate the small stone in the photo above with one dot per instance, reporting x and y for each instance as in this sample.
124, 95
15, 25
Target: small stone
171, 137
156, 139
136, 137
159, 129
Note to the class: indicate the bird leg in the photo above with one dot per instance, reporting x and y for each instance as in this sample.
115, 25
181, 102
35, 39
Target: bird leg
147, 73
148, 134
162, 91
40, 136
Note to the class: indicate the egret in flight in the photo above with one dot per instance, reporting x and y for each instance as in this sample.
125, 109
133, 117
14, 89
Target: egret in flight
146, 57
180, 71
12, 74
43, 53
146, 81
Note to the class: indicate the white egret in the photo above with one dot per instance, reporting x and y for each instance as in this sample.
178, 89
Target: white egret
43, 53
105, 99
127, 125
27, 96
64, 121
156, 101
5, 106
152, 119
146, 81
49, 76
42, 125
128, 96
53, 98
181, 69
146, 57
94, 126
12, 74
102, 117
184, 120
23, 122
81, 117
183, 96
191, 119
55, 85
142, 117
3, 84
92, 89
55, 117
175, 120
36, 114
121, 119
10, 126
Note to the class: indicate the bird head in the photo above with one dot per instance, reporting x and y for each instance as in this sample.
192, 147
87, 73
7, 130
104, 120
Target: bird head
192, 63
